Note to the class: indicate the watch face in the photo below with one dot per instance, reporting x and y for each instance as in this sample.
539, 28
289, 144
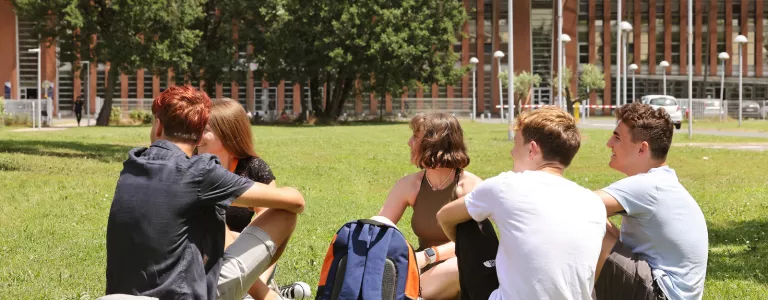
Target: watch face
430, 252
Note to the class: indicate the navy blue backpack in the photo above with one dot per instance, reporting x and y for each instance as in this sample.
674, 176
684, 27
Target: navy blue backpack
369, 260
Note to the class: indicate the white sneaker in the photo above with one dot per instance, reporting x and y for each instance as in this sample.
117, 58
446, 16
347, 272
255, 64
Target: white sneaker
297, 290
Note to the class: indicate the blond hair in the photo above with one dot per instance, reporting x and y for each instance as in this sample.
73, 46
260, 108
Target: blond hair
554, 130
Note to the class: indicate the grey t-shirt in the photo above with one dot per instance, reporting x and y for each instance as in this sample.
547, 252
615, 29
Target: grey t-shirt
664, 225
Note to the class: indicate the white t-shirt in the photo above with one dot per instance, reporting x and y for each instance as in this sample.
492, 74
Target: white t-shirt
551, 231
664, 225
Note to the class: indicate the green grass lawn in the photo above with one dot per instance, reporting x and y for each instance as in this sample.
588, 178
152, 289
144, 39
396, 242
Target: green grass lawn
56, 189
729, 125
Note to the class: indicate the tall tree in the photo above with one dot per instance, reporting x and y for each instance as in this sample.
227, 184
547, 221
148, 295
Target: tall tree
524, 83
567, 75
592, 80
385, 44
127, 34
228, 28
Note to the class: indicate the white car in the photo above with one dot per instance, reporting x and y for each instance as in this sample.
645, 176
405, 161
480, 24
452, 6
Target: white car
669, 104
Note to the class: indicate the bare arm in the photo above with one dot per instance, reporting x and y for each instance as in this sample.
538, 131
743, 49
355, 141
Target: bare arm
397, 201
453, 214
262, 195
612, 206
259, 210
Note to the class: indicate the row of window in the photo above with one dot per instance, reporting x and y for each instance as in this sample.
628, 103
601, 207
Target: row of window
659, 22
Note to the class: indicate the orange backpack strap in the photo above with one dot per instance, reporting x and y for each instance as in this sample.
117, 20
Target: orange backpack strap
327, 263
412, 283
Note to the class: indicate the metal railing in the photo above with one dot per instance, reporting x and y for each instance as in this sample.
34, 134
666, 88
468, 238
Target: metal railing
714, 109
29, 107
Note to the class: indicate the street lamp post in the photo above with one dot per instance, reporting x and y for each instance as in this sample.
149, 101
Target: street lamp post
560, 47
474, 62
565, 39
690, 68
618, 52
664, 65
626, 28
511, 77
39, 92
499, 55
723, 57
633, 68
741, 40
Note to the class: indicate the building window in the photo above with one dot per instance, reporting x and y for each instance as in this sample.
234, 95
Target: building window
705, 40
764, 47
598, 42
659, 31
736, 21
132, 86
148, 84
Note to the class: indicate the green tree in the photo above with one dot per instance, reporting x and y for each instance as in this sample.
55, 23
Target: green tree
127, 34
567, 92
524, 82
592, 80
228, 28
386, 45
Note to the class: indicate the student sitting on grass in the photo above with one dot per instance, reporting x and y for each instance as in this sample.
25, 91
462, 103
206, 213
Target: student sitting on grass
165, 233
550, 227
437, 147
661, 251
228, 136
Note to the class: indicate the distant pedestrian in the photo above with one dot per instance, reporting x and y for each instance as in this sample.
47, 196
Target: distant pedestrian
78, 108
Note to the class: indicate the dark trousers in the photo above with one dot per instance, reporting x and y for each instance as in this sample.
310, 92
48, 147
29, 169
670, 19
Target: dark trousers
476, 248
78, 115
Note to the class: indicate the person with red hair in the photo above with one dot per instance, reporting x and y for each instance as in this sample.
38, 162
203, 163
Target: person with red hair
165, 233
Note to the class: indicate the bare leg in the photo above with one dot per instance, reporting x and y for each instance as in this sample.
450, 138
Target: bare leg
441, 281
610, 239
279, 225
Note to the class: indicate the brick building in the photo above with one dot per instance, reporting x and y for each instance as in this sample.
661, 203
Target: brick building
660, 33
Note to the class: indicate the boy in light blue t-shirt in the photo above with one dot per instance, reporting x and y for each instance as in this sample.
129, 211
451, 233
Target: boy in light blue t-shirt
661, 251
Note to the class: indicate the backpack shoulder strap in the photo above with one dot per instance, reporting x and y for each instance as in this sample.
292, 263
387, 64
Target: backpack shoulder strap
359, 241
375, 261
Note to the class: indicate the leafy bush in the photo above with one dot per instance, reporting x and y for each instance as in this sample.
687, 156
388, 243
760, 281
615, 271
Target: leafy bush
141, 116
16, 120
115, 116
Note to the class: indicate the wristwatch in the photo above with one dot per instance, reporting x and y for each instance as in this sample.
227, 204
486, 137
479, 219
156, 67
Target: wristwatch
431, 255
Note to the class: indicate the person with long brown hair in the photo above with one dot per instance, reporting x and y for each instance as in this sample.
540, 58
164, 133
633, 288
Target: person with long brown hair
228, 136
437, 147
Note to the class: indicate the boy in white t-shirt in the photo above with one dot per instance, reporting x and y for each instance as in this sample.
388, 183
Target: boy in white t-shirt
550, 228
661, 251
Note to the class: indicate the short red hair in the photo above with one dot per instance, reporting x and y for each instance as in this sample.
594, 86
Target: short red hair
183, 111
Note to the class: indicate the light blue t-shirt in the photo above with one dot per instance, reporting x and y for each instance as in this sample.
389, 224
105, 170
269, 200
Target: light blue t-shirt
664, 225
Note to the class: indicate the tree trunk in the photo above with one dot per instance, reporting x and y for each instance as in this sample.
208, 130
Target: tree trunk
346, 87
317, 98
106, 108
381, 106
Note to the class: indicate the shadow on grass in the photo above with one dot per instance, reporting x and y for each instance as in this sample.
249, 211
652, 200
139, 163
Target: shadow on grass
739, 251
65, 149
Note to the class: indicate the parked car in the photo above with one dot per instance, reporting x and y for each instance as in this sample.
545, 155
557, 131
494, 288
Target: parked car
750, 109
669, 104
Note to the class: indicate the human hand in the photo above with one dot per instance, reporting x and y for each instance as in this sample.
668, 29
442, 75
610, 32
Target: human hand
421, 259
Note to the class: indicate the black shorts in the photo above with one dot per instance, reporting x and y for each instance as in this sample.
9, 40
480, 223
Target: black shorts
476, 248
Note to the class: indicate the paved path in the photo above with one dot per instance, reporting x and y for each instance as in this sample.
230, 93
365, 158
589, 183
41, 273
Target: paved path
610, 125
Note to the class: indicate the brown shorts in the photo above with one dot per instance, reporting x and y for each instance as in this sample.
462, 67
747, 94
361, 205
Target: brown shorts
626, 276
